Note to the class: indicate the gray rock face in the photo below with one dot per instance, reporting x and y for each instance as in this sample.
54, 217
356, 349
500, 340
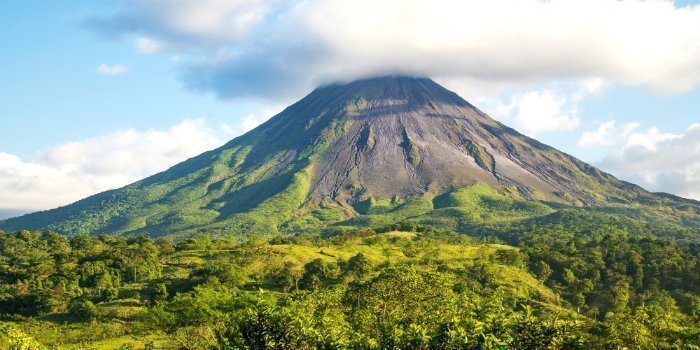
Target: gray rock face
406, 136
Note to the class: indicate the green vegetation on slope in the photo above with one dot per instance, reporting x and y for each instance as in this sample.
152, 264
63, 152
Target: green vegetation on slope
235, 187
460, 210
392, 148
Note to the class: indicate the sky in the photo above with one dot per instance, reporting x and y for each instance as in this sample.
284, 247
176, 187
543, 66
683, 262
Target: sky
96, 95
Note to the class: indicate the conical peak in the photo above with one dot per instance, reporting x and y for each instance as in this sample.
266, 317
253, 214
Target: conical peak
408, 89
391, 138
380, 81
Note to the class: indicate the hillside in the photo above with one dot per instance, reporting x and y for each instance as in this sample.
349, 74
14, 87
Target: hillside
406, 287
372, 151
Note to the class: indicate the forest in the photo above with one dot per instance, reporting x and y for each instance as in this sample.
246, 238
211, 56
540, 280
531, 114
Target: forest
576, 281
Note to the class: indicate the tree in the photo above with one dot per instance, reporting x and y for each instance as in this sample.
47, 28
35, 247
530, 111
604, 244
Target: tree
109, 294
400, 298
157, 293
543, 271
165, 246
530, 332
18, 340
510, 257
358, 265
288, 277
318, 274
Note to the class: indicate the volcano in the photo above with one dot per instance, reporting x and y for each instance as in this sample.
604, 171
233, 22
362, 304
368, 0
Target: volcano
367, 152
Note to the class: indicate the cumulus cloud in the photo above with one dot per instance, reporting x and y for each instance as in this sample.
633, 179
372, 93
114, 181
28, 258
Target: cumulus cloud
272, 48
553, 107
607, 134
71, 171
660, 161
116, 69
538, 111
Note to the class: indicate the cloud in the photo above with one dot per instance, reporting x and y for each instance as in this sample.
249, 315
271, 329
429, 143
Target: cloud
539, 111
271, 48
112, 70
660, 161
552, 107
149, 46
184, 23
607, 134
71, 171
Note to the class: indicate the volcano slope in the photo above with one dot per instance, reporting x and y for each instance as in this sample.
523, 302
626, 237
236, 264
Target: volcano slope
367, 153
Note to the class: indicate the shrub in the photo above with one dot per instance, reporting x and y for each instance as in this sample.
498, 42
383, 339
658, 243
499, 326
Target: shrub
82, 310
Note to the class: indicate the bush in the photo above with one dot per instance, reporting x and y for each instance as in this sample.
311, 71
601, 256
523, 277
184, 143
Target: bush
109, 294
157, 293
318, 274
82, 310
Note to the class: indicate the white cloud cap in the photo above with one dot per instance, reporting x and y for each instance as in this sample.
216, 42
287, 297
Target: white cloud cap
275, 48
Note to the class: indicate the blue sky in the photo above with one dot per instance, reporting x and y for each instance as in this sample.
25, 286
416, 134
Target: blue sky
614, 83
56, 95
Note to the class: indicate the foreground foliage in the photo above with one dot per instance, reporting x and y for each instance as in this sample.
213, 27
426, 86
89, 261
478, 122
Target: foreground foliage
607, 285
